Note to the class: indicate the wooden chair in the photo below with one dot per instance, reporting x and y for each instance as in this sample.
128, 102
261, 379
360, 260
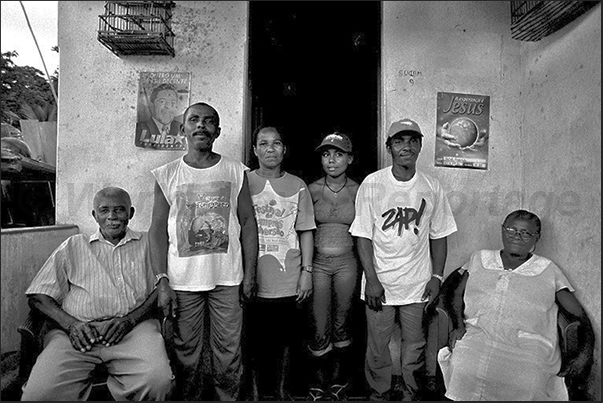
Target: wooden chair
35, 327
438, 325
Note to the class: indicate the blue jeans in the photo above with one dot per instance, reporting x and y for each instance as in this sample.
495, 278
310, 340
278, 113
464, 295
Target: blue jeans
333, 283
225, 326
378, 363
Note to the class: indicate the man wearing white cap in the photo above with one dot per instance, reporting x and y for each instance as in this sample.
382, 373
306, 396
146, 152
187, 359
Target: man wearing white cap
402, 222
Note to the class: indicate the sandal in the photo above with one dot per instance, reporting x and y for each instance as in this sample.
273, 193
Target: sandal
316, 394
338, 392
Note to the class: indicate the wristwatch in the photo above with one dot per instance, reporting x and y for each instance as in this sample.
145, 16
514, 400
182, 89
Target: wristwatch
158, 278
438, 277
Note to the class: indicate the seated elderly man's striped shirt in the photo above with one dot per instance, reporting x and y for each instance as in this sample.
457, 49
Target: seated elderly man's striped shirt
92, 279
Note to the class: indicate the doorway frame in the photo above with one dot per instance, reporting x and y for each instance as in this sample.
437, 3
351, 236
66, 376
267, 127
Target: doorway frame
248, 97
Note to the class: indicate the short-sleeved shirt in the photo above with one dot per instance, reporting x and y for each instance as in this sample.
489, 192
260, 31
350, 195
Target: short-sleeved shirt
92, 279
400, 218
203, 227
510, 350
282, 206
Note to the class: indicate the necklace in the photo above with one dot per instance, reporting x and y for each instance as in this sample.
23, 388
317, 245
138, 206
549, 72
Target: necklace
340, 189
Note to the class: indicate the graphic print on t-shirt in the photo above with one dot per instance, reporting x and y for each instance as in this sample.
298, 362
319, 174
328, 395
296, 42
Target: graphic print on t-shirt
203, 218
402, 216
276, 217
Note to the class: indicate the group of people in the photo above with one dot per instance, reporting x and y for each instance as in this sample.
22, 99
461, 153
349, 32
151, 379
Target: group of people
237, 249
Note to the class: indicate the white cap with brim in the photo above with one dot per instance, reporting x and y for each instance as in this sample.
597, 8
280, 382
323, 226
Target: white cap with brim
404, 125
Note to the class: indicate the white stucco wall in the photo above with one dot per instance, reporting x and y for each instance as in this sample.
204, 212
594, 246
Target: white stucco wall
561, 155
462, 47
545, 128
98, 99
545, 116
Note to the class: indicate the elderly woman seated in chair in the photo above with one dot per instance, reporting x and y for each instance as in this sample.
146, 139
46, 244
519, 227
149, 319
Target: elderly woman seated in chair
503, 308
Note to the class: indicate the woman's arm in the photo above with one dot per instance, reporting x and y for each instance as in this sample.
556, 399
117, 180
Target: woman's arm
570, 305
453, 292
304, 285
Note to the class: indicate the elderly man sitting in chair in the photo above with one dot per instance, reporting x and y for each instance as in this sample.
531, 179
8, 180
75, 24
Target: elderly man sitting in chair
97, 292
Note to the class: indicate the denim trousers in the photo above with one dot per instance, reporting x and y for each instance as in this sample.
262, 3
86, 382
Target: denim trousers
333, 287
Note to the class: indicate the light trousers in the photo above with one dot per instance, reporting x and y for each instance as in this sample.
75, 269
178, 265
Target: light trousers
378, 362
138, 366
225, 316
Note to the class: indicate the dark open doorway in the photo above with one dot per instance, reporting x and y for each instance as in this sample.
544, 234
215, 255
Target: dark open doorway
314, 68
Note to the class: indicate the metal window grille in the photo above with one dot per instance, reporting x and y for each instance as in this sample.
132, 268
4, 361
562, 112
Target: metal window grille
533, 20
137, 27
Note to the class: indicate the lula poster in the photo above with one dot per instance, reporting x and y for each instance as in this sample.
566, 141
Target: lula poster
162, 99
462, 130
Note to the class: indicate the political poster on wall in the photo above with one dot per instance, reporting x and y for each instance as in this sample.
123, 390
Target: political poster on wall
462, 130
162, 99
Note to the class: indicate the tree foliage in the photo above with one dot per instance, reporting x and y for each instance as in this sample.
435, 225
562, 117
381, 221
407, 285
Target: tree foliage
25, 89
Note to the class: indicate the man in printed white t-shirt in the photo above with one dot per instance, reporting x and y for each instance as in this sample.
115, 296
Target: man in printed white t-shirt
204, 250
402, 222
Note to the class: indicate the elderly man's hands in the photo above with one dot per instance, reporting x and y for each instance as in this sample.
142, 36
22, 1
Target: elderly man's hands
115, 330
83, 335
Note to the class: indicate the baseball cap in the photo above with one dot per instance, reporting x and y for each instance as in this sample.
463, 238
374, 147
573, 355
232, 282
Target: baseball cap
337, 140
404, 125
